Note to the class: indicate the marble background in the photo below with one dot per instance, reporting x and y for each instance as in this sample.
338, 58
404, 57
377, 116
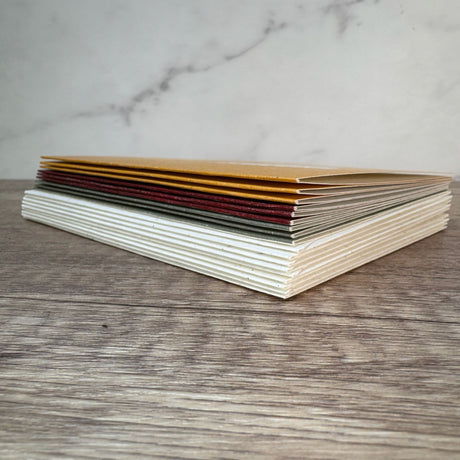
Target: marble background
346, 82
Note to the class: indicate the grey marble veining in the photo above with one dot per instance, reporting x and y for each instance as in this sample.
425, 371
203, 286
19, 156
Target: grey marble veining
347, 82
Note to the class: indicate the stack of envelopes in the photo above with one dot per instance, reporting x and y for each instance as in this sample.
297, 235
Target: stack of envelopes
278, 229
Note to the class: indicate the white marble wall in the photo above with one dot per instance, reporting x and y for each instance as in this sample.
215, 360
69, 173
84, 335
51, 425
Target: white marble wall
347, 82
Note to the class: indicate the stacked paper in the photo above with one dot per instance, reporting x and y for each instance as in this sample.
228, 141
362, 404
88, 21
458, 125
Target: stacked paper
278, 229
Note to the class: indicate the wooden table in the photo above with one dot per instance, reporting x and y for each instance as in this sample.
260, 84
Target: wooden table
108, 354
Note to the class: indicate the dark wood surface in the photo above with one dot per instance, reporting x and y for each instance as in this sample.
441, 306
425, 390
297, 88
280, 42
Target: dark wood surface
106, 354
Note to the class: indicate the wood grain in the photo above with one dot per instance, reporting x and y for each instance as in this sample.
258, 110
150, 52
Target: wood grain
106, 354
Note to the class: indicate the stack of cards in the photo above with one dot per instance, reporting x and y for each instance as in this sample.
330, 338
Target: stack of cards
279, 229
